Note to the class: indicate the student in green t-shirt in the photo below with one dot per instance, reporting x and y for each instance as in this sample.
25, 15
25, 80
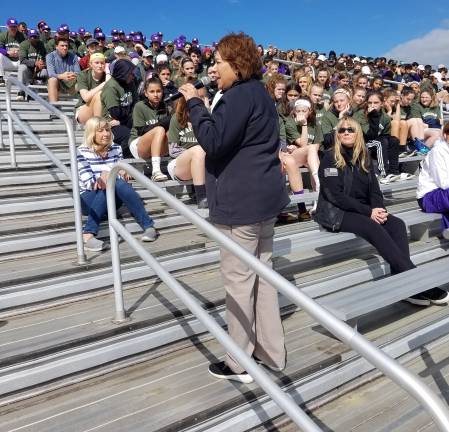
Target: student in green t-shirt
189, 157
316, 96
304, 153
151, 120
428, 110
90, 83
290, 139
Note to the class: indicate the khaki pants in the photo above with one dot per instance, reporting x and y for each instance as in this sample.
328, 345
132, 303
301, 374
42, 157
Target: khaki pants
252, 308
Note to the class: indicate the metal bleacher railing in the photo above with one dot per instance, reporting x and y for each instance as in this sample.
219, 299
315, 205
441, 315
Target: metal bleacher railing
341, 330
71, 173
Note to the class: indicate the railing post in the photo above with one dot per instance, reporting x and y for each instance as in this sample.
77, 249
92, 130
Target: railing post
75, 192
120, 314
72, 174
2, 143
12, 147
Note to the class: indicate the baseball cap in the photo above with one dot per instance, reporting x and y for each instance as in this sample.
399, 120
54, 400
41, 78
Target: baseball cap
421, 67
169, 43
91, 41
100, 36
98, 30
321, 57
12, 22
46, 27
441, 66
81, 30
33, 33
147, 53
114, 32
115, 39
62, 29
119, 49
97, 56
161, 58
366, 70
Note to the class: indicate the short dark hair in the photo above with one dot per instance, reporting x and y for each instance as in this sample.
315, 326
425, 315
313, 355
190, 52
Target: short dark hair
153, 80
240, 51
195, 50
61, 39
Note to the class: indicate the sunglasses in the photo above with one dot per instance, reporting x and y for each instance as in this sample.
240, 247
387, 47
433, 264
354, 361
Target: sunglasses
348, 129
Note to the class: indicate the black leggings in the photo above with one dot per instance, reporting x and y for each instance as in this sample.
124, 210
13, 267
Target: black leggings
390, 239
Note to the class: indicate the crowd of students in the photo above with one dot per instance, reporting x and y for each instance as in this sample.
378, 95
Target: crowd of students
125, 80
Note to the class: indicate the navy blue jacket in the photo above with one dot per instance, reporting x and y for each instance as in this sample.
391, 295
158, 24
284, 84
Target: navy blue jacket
244, 183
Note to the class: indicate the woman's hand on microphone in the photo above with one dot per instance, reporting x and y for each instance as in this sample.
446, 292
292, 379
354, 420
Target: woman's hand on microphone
188, 91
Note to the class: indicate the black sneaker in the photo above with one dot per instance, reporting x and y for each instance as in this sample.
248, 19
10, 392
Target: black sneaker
436, 296
273, 368
2, 82
223, 371
21, 96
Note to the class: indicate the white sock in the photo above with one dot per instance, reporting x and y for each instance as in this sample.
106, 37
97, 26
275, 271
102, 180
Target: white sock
156, 164
316, 180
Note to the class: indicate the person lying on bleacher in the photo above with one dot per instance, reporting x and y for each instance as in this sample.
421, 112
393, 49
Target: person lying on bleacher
188, 156
350, 200
433, 183
96, 156
150, 123
32, 61
90, 83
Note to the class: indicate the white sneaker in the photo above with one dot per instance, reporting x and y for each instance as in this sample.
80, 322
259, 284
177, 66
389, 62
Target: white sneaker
390, 178
406, 176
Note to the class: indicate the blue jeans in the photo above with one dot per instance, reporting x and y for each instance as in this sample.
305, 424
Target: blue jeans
94, 206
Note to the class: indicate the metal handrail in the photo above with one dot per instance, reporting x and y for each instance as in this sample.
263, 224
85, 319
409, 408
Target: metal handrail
72, 174
397, 373
284, 400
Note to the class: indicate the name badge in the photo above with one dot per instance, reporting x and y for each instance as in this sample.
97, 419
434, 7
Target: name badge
330, 172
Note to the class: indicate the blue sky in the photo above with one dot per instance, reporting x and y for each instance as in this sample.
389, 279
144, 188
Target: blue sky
364, 28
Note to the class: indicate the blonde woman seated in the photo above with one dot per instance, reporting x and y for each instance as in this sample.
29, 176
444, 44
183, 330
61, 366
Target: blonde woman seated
96, 156
189, 157
350, 200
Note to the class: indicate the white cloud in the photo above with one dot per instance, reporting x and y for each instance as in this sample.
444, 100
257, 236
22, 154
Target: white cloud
432, 48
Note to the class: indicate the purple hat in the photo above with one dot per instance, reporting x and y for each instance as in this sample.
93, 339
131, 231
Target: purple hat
98, 30
73, 34
129, 38
100, 36
65, 27
154, 37
121, 32
137, 38
115, 39
132, 33
179, 45
12, 22
46, 27
41, 23
133, 54
195, 41
182, 37
33, 33
81, 31
61, 29
114, 32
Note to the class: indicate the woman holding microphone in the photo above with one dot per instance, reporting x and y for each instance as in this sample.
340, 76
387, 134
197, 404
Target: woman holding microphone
245, 191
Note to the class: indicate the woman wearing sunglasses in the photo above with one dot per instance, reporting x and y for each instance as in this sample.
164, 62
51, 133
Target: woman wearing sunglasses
350, 200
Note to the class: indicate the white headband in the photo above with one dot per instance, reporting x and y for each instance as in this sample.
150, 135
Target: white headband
303, 103
342, 90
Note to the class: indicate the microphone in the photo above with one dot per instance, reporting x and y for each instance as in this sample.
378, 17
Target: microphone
202, 82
